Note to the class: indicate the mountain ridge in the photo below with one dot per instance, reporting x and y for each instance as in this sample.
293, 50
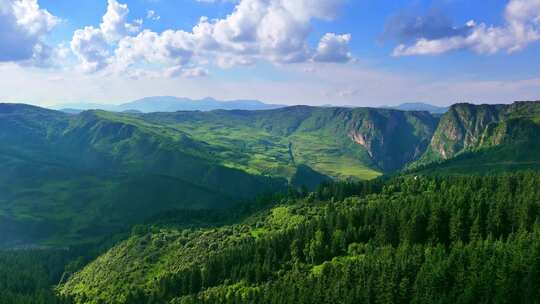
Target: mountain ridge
419, 106
72, 181
170, 104
466, 126
206, 154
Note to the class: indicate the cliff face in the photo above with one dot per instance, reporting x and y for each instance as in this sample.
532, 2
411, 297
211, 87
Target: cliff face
393, 138
467, 127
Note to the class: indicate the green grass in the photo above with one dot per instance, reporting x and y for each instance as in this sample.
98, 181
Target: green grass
259, 142
71, 179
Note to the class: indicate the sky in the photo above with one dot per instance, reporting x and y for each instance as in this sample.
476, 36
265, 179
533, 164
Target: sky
340, 52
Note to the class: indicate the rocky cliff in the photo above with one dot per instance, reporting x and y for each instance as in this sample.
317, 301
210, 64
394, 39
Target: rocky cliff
467, 127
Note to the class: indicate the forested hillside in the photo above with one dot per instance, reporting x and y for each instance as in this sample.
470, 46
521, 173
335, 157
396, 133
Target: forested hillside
409, 239
27, 277
467, 127
484, 139
220, 210
68, 179
77, 178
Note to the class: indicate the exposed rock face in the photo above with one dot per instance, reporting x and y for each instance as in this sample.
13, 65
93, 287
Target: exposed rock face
467, 126
462, 127
359, 139
393, 138
383, 139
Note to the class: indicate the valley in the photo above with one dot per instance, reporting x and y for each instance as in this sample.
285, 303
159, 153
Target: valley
191, 207
269, 152
98, 172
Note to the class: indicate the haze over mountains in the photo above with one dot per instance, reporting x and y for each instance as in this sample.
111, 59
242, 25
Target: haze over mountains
173, 104
170, 104
419, 106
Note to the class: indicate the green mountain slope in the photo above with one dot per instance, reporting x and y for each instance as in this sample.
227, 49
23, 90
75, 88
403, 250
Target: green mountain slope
485, 138
339, 142
410, 239
73, 178
467, 127
68, 179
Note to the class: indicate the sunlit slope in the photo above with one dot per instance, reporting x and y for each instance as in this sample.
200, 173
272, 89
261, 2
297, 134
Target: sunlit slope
339, 142
72, 178
75, 178
485, 139
403, 238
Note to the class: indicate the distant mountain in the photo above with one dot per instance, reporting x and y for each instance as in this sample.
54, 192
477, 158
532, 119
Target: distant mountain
419, 106
171, 104
78, 107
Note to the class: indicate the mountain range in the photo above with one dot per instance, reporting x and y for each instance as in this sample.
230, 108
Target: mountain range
419, 106
169, 104
111, 167
174, 104
207, 206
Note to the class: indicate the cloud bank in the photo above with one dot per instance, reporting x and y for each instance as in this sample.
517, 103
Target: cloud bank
271, 30
521, 28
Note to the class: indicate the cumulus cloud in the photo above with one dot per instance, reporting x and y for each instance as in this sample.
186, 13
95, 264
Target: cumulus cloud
23, 24
272, 30
114, 25
93, 45
521, 28
168, 48
179, 71
333, 48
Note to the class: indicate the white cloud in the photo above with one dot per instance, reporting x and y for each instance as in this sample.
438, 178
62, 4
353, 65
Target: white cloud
521, 28
114, 22
333, 48
45, 56
93, 45
272, 30
170, 48
22, 28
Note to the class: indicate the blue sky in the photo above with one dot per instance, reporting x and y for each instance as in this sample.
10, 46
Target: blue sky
343, 52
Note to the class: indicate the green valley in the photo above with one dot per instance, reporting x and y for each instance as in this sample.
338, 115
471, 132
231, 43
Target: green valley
291, 205
72, 178
269, 152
